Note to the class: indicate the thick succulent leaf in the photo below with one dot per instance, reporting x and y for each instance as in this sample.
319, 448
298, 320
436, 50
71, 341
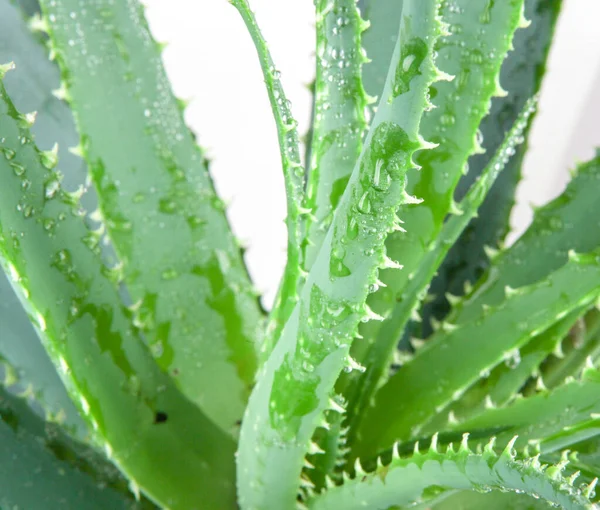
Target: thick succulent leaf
559, 226
583, 456
552, 419
294, 179
295, 385
460, 106
563, 224
507, 379
522, 74
377, 357
135, 411
338, 126
379, 40
455, 357
191, 293
423, 476
580, 346
42, 468
30, 85
339, 114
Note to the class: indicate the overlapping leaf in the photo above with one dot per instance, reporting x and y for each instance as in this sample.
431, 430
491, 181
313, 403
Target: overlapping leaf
42, 468
521, 74
190, 292
423, 477
474, 57
135, 411
454, 358
296, 383
30, 86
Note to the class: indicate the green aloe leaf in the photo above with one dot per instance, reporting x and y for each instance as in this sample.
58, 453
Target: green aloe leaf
294, 179
460, 105
424, 476
552, 419
456, 356
191, 294
339, 122
135, 411
581, 345
583, 456
379, 40
522, 72
31, 86
451, 230
339, 113
559, 226
506, 380
40, 467
295, 386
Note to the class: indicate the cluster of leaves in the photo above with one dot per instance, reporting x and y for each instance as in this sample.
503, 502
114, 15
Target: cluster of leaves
410, 358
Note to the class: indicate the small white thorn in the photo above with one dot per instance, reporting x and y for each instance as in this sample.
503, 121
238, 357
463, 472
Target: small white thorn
396, 453
452, 420
434, 443
388, 263
314, 449
61, 92
539, 384
452, 299
334, 406
370, 315
490, 252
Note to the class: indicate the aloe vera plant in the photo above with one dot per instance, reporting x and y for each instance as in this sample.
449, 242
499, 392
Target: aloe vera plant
411, 359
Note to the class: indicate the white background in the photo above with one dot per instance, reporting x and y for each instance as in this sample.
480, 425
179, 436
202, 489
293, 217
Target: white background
211, 60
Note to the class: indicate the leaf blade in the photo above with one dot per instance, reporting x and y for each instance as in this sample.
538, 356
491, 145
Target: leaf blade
453, 360
424, 476
88, 333
296, 383
460, 105
294, 179
522, 73
37, 470
31, 85
182, 267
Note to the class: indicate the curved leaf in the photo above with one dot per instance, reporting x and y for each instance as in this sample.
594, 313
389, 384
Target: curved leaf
454, 358
135, 411
423, 476
552, 419
473, 52
191, 293
293, 173
522, 74
30, 85
295, 385
558, 227
506, 380
41, 468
